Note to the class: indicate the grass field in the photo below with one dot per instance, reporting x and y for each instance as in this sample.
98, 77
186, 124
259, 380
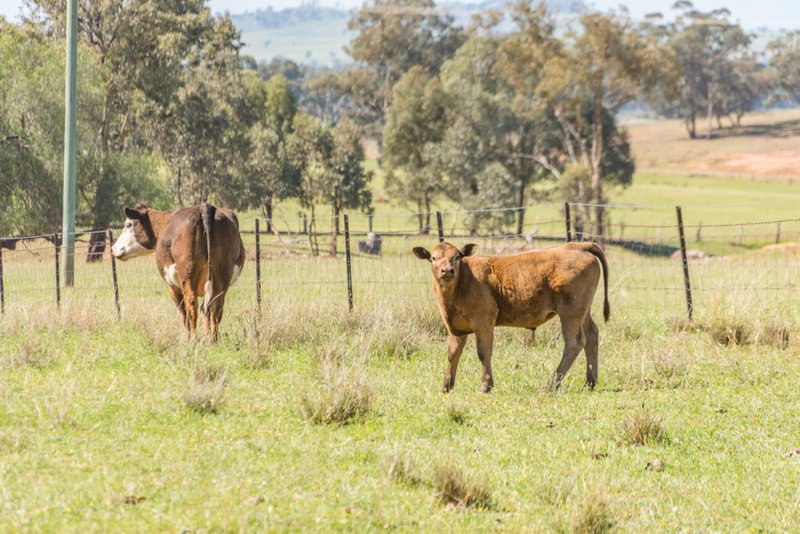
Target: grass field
308, 417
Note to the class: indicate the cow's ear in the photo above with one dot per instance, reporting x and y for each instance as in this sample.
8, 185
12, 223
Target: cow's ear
133, 213
468, 250
421, 253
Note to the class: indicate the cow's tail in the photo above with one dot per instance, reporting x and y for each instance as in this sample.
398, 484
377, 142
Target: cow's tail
595, 249
207, 211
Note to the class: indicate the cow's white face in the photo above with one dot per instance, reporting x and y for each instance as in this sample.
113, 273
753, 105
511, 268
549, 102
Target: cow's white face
444, 260
128, 243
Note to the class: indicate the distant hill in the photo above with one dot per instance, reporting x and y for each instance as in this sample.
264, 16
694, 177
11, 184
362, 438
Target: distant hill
316, 35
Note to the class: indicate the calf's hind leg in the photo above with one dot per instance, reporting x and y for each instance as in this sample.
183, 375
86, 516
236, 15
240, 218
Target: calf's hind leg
592, 347
574, 341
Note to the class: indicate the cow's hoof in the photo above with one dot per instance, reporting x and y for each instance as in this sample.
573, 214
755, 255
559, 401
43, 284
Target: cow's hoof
446, 387
486, 388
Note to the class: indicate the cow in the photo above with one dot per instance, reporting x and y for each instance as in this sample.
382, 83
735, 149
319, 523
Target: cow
199, 253
475, 294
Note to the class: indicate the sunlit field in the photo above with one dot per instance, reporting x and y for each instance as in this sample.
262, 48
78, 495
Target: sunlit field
308, 416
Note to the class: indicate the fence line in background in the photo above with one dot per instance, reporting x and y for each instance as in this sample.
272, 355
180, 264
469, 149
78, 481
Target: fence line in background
637, 253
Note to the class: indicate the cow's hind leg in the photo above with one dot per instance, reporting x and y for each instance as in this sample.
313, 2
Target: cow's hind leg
215, 314
592, 347
177, 298
190, 304
455, 347
574, 341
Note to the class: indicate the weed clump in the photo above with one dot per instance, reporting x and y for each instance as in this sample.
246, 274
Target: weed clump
729, 331
642, 429
453, 488
31, 353
403, 469
347, 397
775, 332
456, 414
206, 389
595, 516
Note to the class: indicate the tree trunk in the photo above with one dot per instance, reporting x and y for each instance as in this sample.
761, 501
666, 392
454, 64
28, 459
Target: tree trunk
521, 207
427, 228
710, 113
597, 159
334, 230
420, 217
312, 232
268, 212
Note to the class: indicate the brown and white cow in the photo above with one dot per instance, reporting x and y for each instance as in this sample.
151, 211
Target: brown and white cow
199, 253
475, 294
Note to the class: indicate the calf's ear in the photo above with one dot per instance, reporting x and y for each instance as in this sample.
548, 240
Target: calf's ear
468, 250
133, 213
421, 253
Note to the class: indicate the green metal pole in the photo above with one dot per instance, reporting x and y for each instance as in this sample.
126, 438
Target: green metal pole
70, 140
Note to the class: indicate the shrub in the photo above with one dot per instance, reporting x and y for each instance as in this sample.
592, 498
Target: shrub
642, 429
454, 489
206, 389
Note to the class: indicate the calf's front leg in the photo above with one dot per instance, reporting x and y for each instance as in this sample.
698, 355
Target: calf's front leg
455, 347
484, 338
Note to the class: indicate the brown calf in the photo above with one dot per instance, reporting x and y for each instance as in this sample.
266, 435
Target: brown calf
475, 294
199, 253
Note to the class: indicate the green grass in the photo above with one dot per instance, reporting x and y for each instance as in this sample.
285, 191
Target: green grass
308, 417
99, 437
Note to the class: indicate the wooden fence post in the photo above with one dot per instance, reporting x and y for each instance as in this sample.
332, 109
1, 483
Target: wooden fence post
439, 225
349, 262
114, 272
778, 233
568, 221
58, 276
258, 265
688, 286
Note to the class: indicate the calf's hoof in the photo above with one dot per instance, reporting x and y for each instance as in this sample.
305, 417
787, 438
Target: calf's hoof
447, 386
486, 387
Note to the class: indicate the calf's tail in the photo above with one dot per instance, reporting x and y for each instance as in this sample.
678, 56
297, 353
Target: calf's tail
595, 250
208, 211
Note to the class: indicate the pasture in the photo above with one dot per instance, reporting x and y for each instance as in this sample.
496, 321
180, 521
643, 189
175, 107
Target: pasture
309, 417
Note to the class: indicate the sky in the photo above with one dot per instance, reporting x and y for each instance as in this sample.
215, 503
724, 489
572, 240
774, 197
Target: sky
751, 14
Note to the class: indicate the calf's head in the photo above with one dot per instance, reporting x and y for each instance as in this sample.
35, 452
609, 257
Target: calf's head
137, 237
444, 259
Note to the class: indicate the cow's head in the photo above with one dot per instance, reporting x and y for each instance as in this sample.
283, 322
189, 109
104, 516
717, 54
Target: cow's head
137, 237
444, 260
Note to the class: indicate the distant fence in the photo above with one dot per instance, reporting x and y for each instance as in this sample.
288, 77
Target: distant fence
659, 256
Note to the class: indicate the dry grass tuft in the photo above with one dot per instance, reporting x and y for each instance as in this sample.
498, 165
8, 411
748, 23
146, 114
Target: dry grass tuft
775, 332
669, 367
642, 429
404, 469
254, 340
346, 396
32, 352
595, 516
206, 389
729, 331
454, 489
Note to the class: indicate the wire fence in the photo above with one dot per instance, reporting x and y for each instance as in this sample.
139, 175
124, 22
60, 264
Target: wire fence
747, 250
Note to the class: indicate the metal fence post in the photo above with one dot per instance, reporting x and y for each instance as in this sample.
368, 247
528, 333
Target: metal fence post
2, 289
440, 226
568, 222
258, 266
349, 262
58, 276
689, 305
114, 272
